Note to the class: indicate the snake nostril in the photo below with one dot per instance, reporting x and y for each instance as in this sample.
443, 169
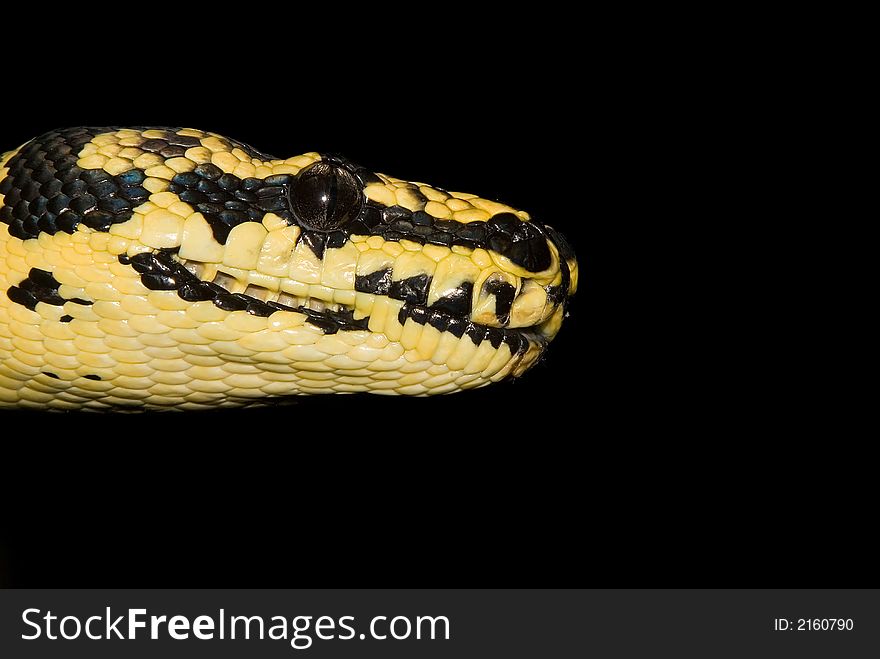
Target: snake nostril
521, 242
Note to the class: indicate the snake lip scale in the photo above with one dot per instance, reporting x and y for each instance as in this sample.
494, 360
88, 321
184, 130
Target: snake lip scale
174, 268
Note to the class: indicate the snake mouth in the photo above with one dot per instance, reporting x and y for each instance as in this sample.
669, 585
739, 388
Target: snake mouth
231, 290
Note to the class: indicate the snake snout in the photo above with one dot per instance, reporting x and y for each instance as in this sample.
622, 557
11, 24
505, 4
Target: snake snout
535, 273
529, 246
521, 242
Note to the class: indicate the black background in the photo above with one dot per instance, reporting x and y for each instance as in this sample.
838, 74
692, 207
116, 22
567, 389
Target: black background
640, 452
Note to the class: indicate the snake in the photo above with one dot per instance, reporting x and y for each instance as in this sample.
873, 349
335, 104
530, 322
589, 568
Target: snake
174, 268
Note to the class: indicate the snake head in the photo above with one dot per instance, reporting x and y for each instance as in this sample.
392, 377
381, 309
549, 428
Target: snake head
454, 260
250, 276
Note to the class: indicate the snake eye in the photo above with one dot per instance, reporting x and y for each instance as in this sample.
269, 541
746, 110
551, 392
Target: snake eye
325, 196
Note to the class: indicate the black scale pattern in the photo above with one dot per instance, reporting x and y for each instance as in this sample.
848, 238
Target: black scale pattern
414, 290
46, 191
504, 294
516, 339
40, 286
521, 242
172, 145
159, 271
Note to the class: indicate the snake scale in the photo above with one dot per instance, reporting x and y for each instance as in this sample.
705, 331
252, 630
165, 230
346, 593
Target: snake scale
146, 268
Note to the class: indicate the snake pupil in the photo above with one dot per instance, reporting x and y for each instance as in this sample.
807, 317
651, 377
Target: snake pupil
325, 196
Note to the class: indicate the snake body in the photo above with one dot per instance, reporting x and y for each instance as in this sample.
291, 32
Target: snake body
176, 268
